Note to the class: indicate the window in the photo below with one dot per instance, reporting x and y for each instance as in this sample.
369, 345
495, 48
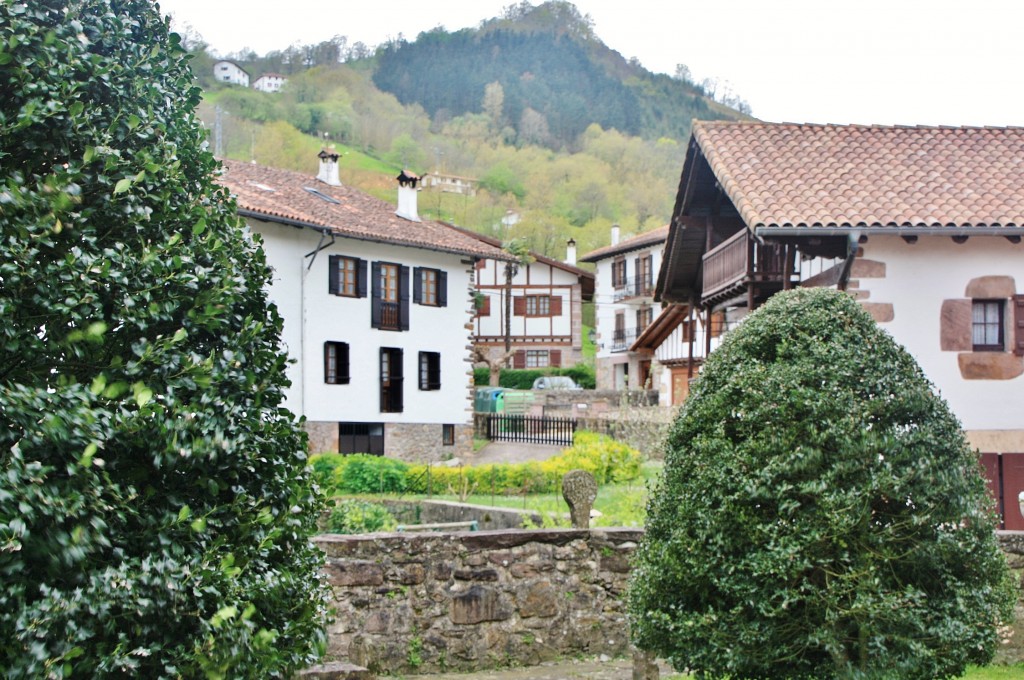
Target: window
447, 435
987, 325
361, 438
391, 380
619, 273
538, 305
336, 363
536, 358
430, 371
390, 296
430, 287
347, 276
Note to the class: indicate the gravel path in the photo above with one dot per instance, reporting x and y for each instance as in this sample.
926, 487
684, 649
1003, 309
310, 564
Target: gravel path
617, 669
512, 452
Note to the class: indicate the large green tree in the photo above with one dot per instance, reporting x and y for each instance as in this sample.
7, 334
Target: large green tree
154, 503
821, 514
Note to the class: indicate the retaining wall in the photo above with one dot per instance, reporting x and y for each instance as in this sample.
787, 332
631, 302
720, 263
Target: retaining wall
469, 600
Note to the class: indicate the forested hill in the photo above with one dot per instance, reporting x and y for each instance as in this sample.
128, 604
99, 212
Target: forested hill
542, 75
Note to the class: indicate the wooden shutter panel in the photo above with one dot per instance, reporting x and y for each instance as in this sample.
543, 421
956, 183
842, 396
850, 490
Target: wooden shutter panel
343, 363
442, 289
327, 361
519, 359
375, 309
555, 357
332, 274
556, 305
360, 278
403, 298
717, 324
1018, 325
485, 306
417, 285
519, 305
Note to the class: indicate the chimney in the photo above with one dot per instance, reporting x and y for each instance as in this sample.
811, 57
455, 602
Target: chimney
615, 234
570, 252
328, 167
407, 196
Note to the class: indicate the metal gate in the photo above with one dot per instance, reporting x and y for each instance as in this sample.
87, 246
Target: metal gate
503, 427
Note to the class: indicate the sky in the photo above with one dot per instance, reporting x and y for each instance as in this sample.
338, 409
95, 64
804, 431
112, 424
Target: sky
893, 62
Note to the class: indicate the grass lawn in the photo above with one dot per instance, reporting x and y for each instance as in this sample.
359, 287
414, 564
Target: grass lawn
619, 504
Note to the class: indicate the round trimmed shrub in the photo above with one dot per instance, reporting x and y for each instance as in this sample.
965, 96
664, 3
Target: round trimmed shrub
821, 514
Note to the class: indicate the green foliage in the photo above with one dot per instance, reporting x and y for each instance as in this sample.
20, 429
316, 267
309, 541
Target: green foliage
359, 517
608, 460
325, 468
522, 378
364, 473
821, 514
154, 504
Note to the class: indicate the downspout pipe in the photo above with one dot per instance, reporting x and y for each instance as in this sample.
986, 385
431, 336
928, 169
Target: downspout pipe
852, 246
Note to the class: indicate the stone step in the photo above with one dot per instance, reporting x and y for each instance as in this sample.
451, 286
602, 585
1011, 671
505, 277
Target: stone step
335, 670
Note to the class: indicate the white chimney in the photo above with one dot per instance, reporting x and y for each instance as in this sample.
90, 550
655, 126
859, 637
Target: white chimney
615, 234
407, 196
570, 252
328, 168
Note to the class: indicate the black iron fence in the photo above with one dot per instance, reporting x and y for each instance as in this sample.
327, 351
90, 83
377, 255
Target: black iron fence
503, 427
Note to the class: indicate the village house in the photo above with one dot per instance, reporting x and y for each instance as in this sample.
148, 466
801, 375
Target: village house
624, 307
229, 72
546, 315
270, 82
922, 225
452, 184
377, 307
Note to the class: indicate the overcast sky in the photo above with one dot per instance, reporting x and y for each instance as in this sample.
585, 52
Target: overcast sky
908, 62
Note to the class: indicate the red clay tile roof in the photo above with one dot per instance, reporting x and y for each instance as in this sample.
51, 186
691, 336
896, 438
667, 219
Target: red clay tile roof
790, 175
648, 238
282, 196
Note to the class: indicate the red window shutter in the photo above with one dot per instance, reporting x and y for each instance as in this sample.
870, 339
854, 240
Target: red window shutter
485, 306
519, 305
519, 359
1018, 325
555, 357
556, 305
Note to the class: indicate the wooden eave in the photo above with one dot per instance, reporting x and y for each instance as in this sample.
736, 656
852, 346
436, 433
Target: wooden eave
658, 331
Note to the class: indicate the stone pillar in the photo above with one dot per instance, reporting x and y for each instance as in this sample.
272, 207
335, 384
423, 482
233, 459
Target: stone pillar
579, 490
644, 666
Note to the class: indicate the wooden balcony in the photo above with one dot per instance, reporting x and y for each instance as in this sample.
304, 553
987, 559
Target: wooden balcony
741, 266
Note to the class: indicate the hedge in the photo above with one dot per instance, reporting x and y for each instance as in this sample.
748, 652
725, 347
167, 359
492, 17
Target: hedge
522, 378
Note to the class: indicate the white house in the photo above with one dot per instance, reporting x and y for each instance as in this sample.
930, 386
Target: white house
376, 305
230, 72
452, 184
624, 301
270, 82
546, 308
922, 225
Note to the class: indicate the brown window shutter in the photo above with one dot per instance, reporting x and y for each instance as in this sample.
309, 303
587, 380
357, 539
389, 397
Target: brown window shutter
332, 274
519, 359
519, 305
361, 278
555, 357
556, 305
403, 298
442, 289
955, 326
1018, 325
485, 307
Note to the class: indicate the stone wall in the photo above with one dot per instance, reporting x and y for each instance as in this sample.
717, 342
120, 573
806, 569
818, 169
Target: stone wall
470, 600
1012, 649
421, 442
487, 518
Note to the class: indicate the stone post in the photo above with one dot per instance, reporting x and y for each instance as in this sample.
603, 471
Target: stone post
579, 490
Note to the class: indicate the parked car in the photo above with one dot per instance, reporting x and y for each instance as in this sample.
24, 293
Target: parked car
555, 382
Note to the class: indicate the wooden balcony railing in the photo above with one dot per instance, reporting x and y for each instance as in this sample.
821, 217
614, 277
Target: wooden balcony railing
740, 261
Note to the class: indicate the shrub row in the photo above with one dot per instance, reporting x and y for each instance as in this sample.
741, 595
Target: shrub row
608, 460
522, 378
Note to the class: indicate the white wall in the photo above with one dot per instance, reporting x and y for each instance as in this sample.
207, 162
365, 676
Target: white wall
303, 294
604, 296
534, 279
918, 278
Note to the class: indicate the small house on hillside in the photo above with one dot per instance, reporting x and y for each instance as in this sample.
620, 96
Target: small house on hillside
229, 72
452, 184
270, 82
922, 225
377, 306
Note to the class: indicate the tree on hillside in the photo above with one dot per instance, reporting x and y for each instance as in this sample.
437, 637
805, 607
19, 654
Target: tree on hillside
154, 504
521, 253
821, 515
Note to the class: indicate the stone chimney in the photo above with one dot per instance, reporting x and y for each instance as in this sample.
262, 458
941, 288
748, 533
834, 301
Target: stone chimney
570, 252
407, 196
328, 167
615, 234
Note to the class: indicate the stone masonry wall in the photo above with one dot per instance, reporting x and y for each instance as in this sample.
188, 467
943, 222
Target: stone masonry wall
469, 600
422, 443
